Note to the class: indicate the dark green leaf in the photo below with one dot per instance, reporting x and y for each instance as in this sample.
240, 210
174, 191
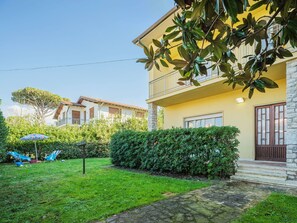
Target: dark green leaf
164, 64
268, 82
171, 35
142, 60
284, 52
157, 43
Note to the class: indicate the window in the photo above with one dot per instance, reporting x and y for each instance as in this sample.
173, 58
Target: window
114, 111
91, 112
75, 117
204, 121
139, 115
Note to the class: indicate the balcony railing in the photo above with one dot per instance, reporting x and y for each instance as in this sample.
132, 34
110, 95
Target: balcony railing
70, 121
168, 83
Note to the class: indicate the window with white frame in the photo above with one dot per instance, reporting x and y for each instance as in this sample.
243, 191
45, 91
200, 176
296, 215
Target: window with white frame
204, 121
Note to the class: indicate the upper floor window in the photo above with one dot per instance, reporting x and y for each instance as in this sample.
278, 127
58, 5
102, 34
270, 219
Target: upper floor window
91, 112
204, 121
139, 114
114, 111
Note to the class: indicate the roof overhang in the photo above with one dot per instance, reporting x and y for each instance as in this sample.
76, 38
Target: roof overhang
68, 104
100, 101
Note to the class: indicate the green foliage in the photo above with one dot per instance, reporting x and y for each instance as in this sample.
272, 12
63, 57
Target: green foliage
210, 152
210, 31
3, 136
43, 102
276, 208
97, 134
57, 192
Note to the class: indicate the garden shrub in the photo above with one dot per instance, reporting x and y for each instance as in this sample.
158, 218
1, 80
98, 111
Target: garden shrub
3, 136
97, 135
210, 152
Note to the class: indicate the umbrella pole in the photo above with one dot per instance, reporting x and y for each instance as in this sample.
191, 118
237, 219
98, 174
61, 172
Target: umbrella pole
36, 157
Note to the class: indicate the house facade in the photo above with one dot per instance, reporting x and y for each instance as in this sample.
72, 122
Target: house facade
267, 122
88, 109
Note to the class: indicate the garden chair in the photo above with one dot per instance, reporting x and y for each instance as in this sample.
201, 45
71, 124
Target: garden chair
52, 156
19, 157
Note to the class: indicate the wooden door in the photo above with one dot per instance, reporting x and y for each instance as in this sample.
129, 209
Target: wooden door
271, 127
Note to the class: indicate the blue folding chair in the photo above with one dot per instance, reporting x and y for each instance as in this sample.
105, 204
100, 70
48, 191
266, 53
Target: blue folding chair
19, 157
52, 156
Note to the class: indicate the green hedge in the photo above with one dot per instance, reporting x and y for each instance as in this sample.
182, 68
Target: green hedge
97, 134
3, 136
210, 152
69, 150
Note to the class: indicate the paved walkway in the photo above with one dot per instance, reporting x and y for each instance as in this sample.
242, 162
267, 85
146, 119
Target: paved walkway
216, 204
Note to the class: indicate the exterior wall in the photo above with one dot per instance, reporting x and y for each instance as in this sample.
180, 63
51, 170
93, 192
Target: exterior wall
87, 109
100, 111
65, 108
104, 112
127, 113
240, 115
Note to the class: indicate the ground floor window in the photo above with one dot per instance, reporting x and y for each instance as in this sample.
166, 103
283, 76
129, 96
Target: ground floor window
204, 121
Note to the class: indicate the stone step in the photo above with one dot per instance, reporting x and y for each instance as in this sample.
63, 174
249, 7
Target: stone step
262, 180
261, 167
260, 172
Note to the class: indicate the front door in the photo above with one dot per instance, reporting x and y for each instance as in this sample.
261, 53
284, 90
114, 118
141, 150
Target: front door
271, 126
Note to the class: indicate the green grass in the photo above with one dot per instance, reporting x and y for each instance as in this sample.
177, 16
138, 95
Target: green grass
57, 192
277, 208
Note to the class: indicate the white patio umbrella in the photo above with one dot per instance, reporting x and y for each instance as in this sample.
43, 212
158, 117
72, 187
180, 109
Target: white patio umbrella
34, 137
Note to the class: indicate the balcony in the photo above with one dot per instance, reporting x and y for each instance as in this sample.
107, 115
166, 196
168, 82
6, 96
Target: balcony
166, 85
70, 121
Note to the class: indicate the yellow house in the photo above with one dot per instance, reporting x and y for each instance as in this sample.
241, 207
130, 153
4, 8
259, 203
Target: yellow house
267, 122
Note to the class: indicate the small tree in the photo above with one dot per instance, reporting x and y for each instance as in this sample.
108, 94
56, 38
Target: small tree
3, 136
43, 102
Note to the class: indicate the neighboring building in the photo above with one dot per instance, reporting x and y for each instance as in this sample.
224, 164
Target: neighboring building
267, 122
87, 109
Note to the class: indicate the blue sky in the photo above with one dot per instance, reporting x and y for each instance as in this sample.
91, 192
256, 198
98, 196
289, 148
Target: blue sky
56, 32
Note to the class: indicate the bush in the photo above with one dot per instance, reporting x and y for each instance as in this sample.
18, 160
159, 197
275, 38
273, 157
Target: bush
97, 135
210, 152
3, 136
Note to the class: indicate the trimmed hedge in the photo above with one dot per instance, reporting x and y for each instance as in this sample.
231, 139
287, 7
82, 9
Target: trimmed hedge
97, 134
210, 152
3, 136
69, 150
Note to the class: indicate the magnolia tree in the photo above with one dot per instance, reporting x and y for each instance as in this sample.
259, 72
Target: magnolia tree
209, 31
43, 102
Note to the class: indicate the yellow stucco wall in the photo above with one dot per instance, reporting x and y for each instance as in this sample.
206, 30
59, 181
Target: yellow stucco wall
240, 115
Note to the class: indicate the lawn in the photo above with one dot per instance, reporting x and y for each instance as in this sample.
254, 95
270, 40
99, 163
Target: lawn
277, 208
58, 192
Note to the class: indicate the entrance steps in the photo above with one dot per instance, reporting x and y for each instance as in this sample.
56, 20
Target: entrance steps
272, 173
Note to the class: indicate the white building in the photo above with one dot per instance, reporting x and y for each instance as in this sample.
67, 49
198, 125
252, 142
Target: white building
87, 109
